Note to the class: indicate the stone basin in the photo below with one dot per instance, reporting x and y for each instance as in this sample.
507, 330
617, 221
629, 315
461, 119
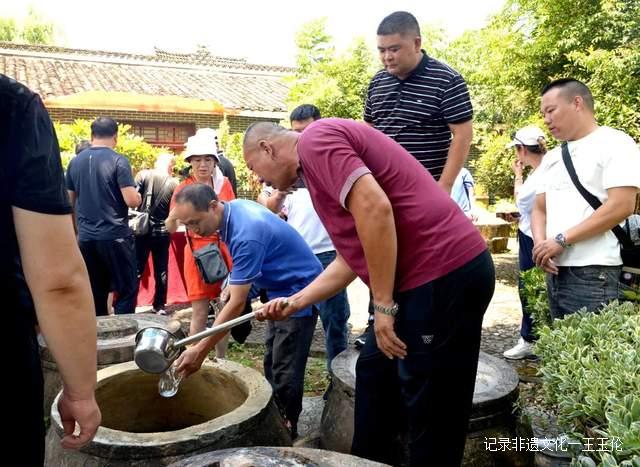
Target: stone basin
492, 415
223, 405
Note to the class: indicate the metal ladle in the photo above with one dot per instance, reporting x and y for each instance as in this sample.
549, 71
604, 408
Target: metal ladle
156, 348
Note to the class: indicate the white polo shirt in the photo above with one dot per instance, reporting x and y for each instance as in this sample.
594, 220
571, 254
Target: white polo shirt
605, 158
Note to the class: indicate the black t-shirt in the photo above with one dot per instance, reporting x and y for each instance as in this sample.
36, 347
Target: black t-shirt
31, 178
163, 186
96, 175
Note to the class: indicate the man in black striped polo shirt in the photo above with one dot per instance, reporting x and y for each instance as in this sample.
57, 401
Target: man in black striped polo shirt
418, 101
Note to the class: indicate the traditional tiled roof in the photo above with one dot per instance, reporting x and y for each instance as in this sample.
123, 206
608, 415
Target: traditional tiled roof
58, 72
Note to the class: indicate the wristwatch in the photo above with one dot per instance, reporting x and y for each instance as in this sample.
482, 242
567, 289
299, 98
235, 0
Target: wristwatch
386, 310
561, 240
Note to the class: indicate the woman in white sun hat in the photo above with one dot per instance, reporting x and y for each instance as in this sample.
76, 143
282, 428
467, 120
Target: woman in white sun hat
201, 153
530, 149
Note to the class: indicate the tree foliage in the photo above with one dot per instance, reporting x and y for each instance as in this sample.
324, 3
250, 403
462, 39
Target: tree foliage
528, 44
33, 30
141, 155
336, 84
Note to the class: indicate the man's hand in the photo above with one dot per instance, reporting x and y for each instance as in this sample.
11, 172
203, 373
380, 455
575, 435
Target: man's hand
277, 309
388, 341
544, 252
85, 413
190, 361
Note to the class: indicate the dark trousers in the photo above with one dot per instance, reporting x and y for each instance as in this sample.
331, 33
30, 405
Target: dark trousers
288, 343
432, 387
334, 314
525, 260
158, 246
112, 266
24, 391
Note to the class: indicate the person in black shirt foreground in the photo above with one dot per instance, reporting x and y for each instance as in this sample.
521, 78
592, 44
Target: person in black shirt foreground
43, 281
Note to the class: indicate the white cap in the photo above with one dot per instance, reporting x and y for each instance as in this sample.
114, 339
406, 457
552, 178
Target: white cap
527, 136
202, 143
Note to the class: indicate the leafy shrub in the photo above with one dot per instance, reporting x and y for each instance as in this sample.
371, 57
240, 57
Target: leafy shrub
141, 155
591, 372
535, 291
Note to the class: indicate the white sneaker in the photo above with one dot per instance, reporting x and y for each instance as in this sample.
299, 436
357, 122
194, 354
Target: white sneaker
522, 349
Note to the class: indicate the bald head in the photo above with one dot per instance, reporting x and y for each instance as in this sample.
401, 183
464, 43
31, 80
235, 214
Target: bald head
270, 152
261, 131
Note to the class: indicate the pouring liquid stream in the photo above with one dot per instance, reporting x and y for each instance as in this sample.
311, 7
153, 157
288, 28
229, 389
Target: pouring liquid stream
169, 382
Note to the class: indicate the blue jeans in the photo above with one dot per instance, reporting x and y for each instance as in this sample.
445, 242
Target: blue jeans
585, 286
334, 314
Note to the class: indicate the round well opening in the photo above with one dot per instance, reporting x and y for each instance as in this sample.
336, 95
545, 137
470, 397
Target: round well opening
130, 402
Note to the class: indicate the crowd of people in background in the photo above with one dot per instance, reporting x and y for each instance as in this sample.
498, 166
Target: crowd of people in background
388, 200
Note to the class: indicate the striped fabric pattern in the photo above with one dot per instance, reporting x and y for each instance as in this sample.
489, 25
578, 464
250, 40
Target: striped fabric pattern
416, 111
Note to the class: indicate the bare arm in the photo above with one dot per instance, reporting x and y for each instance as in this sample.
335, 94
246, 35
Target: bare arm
333, 279
171, 222
191, 360
619, 205
462, 134
131, 196
274, 202
373, 215
59, 283
539, 218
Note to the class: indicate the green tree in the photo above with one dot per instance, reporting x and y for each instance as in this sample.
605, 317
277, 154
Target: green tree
141, 155
231, 146
8, 29
36, 30
336, 84
528, 44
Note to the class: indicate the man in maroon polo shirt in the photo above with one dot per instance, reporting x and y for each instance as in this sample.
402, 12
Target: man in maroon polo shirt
428, 268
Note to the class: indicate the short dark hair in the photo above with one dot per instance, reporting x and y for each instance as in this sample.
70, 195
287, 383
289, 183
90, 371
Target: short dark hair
82, 145
199, 195
399, 22
305, 112
571, 87
104, 127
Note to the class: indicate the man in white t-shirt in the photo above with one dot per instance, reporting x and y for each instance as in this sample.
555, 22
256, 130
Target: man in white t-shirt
298, 210
574, 243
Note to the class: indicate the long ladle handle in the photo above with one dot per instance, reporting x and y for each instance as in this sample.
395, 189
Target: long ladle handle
214, 330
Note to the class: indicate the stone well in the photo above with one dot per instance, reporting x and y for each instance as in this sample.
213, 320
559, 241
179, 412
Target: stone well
275, 457
224, 405
492, 414
116, 342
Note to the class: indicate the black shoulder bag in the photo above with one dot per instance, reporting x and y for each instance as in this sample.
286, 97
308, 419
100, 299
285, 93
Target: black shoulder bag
139, 221
209, 261
629, 250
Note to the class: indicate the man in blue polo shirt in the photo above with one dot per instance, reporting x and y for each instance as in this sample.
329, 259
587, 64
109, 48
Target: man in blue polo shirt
267, 253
